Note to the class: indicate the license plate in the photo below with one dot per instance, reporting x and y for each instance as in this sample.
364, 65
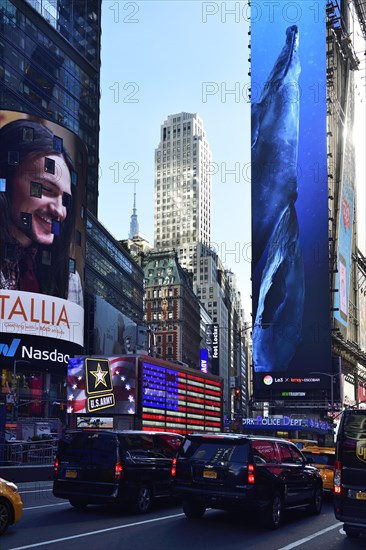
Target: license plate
361, 495
71, 474
210, 474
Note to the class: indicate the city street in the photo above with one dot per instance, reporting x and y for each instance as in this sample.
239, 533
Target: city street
48, 522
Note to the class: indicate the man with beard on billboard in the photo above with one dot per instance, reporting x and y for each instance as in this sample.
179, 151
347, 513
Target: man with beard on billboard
36, 212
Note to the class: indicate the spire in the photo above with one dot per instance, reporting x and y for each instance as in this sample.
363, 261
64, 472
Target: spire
134, 224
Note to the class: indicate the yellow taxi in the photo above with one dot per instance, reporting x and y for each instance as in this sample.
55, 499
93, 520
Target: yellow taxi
11, 505
323, 459
302, 443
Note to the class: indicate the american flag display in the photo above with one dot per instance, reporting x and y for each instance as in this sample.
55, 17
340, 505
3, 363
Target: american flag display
180, 401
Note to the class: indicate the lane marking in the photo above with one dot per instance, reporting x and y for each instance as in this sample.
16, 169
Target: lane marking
310, 537
91, 533
36, 491
45, 506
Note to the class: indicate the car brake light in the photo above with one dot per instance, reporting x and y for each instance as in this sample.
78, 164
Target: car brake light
55, 466
173, 469
251, 474
118, 470
337, 484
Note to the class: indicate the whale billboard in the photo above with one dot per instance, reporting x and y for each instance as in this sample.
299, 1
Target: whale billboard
290, 265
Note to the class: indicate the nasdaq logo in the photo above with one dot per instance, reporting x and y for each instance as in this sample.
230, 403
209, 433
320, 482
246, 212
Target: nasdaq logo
9, 351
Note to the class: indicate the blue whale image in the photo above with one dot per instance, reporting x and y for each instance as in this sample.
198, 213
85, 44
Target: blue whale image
275, 132
278, 323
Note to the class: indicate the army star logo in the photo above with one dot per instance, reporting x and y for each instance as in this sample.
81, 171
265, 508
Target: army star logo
99, 376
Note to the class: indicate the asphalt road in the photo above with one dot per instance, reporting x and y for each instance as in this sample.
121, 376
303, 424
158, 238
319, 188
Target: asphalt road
52, 523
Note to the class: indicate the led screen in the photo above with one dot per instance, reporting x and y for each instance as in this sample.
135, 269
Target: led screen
40, 223
346, 217
290, 266
176, 400
104, 384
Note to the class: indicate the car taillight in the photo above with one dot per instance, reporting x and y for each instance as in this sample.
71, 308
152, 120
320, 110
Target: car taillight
337, 483
173, 469
118, 470
55, 466
251, 474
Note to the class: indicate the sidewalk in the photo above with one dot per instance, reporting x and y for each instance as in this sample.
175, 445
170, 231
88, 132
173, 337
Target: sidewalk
27, 473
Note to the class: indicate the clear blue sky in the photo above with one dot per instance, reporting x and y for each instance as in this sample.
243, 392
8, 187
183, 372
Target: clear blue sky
156, 58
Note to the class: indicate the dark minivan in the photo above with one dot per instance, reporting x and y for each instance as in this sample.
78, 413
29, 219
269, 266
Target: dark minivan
350, 472
234, 471
99, 467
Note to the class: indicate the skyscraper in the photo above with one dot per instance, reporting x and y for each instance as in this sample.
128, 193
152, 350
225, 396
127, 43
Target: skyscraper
50, 65
182, 217
182, 213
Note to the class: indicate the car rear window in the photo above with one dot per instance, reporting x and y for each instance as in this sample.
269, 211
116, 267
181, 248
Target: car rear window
88, 446
215, 450
323, 459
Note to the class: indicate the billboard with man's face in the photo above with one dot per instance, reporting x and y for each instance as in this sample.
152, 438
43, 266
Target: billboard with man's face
42, 239
290, 259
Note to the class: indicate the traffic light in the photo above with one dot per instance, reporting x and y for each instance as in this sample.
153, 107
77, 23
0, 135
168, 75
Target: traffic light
237, 393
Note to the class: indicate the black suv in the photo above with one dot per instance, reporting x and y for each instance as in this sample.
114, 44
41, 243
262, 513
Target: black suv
100, 466
350, 472
232, 471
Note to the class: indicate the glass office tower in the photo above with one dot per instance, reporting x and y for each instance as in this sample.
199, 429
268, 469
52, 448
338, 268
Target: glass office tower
50, 65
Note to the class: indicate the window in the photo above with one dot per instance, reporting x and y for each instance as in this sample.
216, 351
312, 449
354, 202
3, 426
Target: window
298, 459
285, 453
264, 451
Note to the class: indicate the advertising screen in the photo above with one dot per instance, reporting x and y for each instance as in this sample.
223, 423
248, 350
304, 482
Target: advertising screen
290, 265
114, 332
102, 385
175, 400
42, 236
346, 217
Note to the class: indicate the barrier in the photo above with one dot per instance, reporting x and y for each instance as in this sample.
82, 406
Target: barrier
17, 453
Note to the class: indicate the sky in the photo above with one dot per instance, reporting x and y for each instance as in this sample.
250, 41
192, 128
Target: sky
161, 58
164, 57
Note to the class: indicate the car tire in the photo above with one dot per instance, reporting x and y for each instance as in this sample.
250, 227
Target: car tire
351, 533
273, 516
316, 504
6, 515
143, 499
78, 503
193, 510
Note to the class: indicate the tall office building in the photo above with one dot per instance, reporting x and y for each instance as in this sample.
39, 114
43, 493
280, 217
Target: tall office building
49, 73
182, 216
50, 65
182, 212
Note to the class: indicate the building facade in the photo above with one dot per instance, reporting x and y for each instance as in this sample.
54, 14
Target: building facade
172, 309
50, 65
49, 77
182, 211
114, 277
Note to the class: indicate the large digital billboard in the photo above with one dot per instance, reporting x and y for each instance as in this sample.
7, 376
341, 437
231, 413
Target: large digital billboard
290, 265
346, 209
106, 384
42, 239
114, 332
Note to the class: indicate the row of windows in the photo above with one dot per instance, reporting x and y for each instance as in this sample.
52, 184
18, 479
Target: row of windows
112, 249
114, 278
22, 33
